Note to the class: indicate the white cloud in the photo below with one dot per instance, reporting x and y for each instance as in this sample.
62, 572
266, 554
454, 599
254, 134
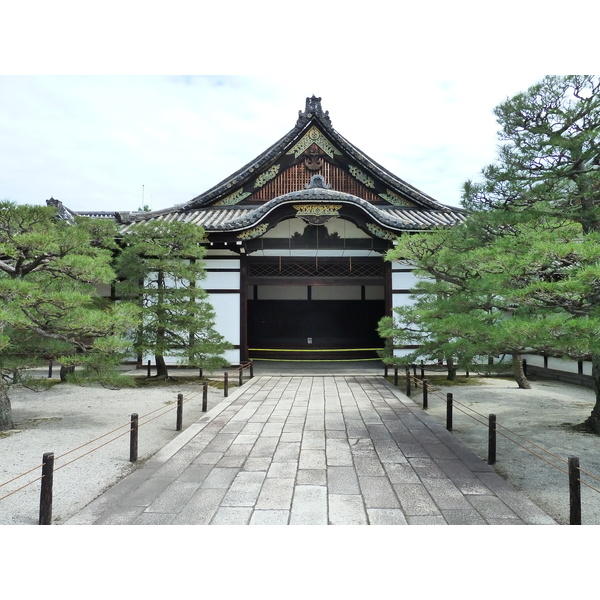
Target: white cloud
100, 142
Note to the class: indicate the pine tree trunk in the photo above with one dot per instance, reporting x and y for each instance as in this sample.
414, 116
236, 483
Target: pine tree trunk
65, 372
451, 369
161, 367
593, 421
519, 373
6, 421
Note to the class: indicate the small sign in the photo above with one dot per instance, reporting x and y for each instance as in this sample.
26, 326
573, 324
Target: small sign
309, 340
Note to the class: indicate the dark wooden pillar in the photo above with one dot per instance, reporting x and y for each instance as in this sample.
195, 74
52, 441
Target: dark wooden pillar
244, 356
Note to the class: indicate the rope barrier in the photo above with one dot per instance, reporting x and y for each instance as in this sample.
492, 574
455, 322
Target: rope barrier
23, 486
144, 420
165, 411
589, 475
457, 405
21, 475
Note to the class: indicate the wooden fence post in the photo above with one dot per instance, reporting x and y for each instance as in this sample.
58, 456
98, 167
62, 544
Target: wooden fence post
425, 394
241, 375
449, 401
179, 426
204, 396
408, 382
574, 492
46, 489
149, 368
492, 440
50, 369
133, 438
226, 384
251, 369
396, 376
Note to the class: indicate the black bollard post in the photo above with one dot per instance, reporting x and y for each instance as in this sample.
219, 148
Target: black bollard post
200, 373
50, 370
449, 400
149, 368
179, 412
425, 395
492, 440
408, 383
396, 376
574, 492
251, 369
204, 396
46, 489
226, 384
133, 438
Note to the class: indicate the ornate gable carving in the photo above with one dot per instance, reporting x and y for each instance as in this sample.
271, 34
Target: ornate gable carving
313, 136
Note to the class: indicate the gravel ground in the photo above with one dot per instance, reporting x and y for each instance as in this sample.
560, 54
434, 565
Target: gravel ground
63, 420
530, 425
66, 417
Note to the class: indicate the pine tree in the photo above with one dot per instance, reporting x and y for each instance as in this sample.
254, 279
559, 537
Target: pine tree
49, 270
549, 168
160, 267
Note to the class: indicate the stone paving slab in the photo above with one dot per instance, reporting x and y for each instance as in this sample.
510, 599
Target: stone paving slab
314, 450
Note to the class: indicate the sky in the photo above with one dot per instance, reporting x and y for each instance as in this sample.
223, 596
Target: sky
119, 142
101, 110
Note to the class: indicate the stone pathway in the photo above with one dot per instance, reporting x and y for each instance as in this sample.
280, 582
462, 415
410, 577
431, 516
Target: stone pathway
314, 450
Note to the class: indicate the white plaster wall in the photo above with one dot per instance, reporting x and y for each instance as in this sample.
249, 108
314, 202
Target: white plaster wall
403, 281
534, 360
221, 263
232, 356
227, 315
401, 300
221, 280
559, 364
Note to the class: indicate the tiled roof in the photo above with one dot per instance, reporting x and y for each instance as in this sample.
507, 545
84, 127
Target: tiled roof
420, 213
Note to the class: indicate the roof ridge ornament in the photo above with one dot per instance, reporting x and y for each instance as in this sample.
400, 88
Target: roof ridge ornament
313, 109
63, 213
317, 181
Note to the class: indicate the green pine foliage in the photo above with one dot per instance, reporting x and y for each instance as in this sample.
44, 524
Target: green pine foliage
161, 268
523, 273
49, 272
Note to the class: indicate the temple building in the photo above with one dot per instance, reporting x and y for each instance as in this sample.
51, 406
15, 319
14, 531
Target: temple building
296, 242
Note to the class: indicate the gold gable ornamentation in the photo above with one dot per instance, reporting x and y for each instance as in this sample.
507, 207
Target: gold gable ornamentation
314, 136
380, 232
254, 232
265, 177
317, 210
362, 177
394, 199
233, 198
317, 214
